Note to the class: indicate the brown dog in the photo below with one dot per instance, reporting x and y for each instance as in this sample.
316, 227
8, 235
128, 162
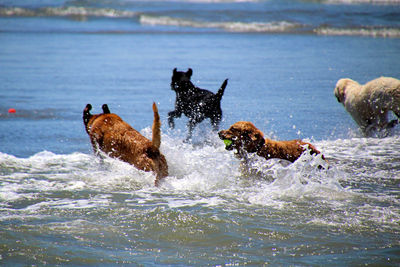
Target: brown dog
245, 137
110, 134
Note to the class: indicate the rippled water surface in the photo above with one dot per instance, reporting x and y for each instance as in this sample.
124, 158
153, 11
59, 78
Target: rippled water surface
78, 209
62, 205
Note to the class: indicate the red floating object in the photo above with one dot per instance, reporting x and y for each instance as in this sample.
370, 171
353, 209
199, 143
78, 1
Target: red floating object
12, 110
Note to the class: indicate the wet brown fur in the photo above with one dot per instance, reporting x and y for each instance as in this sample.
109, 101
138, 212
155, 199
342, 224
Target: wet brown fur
246, 138
109, 133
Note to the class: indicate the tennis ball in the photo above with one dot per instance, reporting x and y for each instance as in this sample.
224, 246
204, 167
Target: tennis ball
227, 142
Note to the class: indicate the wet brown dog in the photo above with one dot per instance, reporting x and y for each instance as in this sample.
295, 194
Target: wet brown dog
246, 138
110, 134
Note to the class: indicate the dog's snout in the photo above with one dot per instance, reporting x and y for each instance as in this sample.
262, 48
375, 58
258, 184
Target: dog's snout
174, 85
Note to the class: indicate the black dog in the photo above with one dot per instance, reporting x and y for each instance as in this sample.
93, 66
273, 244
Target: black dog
196, 103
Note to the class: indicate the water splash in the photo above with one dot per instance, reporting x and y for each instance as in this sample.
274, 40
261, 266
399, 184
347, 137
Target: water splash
207, 175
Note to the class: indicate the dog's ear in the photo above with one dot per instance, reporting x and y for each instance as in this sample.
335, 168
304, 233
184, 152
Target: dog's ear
340, 90
189, 72
257, 138
86, 115
88, 108
174, 71
105, 108
338, 99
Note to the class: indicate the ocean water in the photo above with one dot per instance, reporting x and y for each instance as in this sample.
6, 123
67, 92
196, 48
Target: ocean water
60, 205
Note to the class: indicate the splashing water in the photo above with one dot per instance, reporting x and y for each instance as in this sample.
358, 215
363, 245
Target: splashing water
78, 197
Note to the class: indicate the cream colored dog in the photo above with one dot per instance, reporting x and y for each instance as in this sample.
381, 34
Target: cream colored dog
369, 104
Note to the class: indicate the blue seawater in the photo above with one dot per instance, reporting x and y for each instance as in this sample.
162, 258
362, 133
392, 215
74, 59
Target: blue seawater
62, 205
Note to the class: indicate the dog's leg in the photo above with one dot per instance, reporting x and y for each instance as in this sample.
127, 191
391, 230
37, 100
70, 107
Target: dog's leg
369, 130
171, 116
383, 122
215, 120
392, 123
388, 126
191, 124
215, 127
395, 122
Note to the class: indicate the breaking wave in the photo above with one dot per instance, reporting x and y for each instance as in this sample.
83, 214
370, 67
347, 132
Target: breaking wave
68, 11
350, 2
278, 26
197, 24
372, 32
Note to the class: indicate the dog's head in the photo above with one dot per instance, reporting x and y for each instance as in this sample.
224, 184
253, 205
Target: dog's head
180, 79
242, 135
88, 118
340, 89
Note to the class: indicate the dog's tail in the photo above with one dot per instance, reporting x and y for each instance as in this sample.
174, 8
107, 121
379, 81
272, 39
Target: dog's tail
221, 90
156, 139
86, 115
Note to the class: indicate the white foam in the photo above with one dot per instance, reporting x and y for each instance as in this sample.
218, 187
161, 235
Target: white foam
351, 2
207, 168
276, 26
373, 32
207, 175
215, 1
72, 11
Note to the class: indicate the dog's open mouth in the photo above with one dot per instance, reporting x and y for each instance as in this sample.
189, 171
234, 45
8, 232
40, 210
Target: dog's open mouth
228, 144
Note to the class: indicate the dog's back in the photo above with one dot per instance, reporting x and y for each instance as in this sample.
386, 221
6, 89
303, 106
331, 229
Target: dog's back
384, 88
290, 150
117, 138
191, 95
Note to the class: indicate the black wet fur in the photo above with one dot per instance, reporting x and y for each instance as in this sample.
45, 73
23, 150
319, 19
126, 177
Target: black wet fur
105, 108
86, 114
195, 103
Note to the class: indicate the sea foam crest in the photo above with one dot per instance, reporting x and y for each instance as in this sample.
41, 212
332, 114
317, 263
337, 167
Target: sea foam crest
278, 26
219, 1
66, 11
376, 2
373, 32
